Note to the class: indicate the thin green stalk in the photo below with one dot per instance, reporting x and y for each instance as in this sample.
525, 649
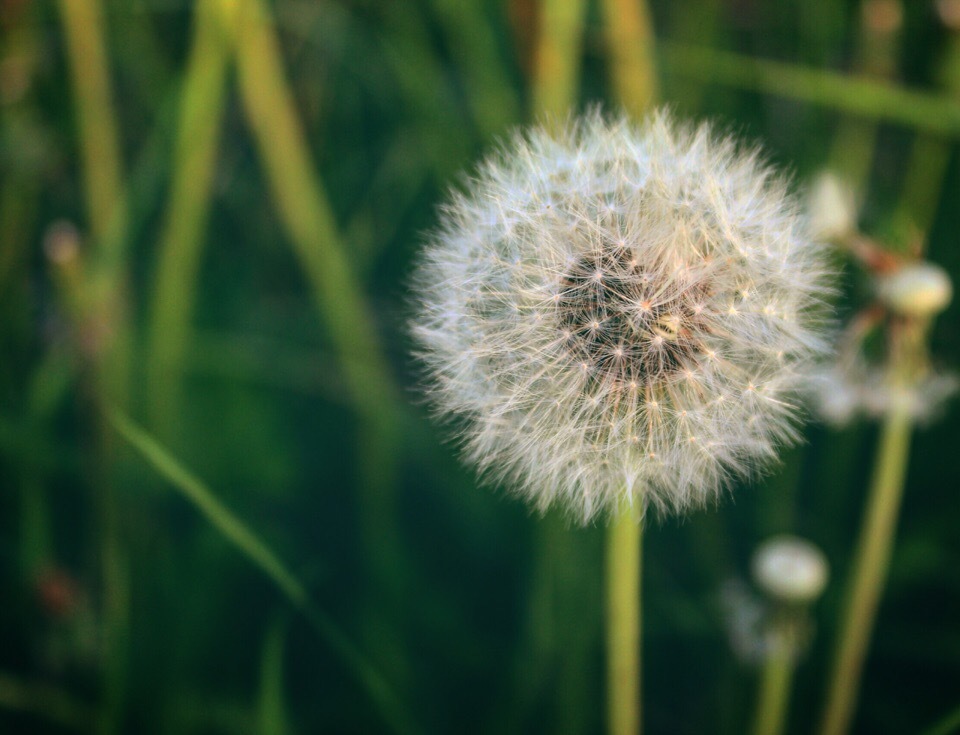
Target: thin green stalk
558, 56
869, 571
775, 683
181, 241
248, 543
857, 95
949, 725
306, 213
99, 148
305, 209
624, 674
271, 706
630, 46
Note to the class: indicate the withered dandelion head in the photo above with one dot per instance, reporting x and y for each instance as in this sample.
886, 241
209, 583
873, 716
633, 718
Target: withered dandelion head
619, 314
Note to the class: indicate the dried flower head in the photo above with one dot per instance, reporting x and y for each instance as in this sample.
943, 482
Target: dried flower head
790, 569
618, 314
840, 392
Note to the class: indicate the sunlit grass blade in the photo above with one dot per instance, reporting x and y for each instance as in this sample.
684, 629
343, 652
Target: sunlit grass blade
306, 214
949, 725
630, 54
248, 543
99, 142
273, 714
869, 573
558, 56
181, 241
867, 98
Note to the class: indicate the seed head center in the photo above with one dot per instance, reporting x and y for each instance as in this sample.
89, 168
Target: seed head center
613, 319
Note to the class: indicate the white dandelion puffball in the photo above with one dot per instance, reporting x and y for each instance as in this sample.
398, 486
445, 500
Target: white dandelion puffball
618, 314
790, 569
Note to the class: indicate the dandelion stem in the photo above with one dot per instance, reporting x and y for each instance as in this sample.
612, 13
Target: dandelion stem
775, 683
85, 40
623, 625
869, 571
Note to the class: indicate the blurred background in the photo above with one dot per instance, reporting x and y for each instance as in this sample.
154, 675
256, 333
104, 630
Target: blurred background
223, 505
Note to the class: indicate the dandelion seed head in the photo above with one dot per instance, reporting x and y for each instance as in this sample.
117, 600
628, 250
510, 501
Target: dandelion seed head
582, 348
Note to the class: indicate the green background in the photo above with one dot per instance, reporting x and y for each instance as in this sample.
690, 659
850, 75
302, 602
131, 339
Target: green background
124, 609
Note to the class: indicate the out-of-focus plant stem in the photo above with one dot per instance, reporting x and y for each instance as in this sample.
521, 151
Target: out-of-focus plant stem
857, 95
908, 359
776, 679
103, 316
305, 209
181, 241
253, 547
271, 706
869, 572
630, 49
557, 57
309, 220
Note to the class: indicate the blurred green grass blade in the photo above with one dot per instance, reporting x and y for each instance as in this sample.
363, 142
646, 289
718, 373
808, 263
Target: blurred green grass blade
99, 139
630, 54
558, 56
235, 530
273, 713
949, 725
181, 241
868, 98
251, 546
304, 206
307, 215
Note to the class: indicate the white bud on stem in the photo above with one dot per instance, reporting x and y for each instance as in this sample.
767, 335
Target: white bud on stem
790, 569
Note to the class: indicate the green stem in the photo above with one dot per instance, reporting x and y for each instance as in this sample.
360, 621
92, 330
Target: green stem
775, 685
949, 725
630, 45
99, 148
623, 625
181, 241
232, 528
854, 94
557, 60
869, 571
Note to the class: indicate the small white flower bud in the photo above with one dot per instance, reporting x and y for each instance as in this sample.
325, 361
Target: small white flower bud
832, 207
790, 569
916, 289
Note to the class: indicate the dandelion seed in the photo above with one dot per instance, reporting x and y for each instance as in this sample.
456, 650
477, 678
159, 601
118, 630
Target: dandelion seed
663, 249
